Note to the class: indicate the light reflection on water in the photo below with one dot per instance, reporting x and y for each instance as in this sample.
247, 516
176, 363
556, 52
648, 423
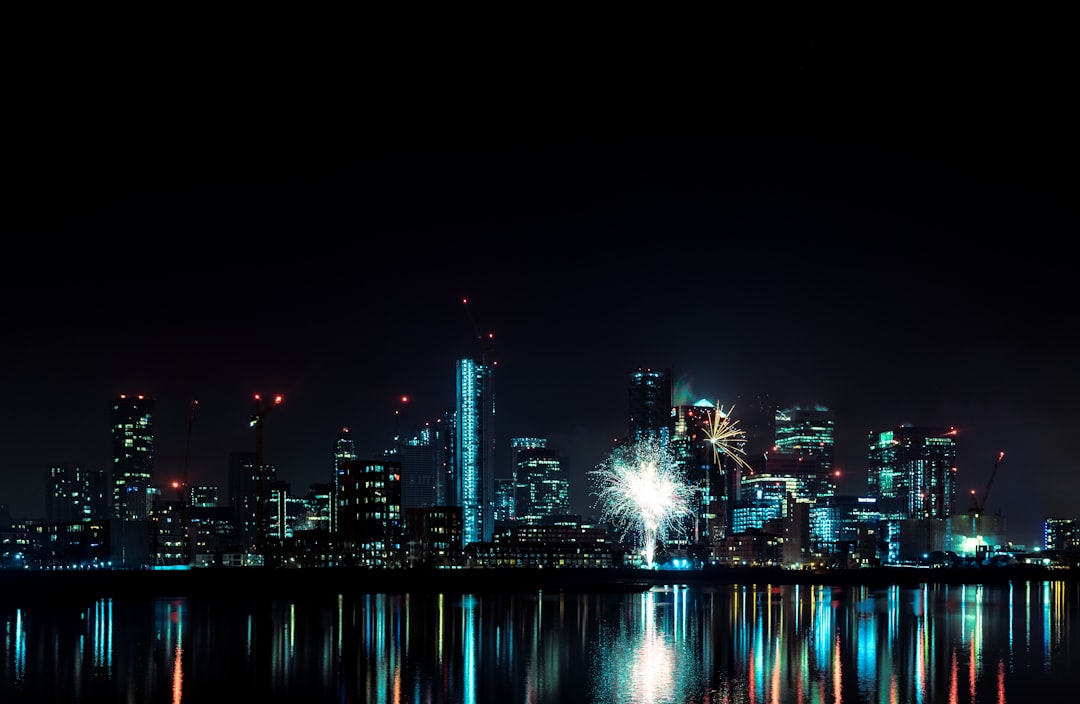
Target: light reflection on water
762, 644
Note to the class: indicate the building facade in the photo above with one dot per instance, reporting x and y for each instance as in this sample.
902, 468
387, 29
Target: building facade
650, 405
474, 461
543, 487
912, 472
806, 432
132, 456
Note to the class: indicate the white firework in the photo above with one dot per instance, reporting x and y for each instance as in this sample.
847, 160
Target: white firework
643, 494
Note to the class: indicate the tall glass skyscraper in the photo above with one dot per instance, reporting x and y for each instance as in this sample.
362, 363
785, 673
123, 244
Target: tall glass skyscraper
474, 449
650, 405
912, 472
344, 451
132, 456
67, 498
543, 489
806, 432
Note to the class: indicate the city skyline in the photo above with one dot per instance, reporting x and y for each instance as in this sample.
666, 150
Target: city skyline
884, 237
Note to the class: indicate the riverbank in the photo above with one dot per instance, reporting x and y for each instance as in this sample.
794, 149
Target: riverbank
257, 582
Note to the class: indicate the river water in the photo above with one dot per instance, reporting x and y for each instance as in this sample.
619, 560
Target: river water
732, 643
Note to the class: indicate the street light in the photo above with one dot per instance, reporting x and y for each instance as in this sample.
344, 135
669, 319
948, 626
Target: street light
257, 419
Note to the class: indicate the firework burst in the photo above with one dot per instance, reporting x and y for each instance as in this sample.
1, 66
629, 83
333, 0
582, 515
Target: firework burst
726, 437
643, 494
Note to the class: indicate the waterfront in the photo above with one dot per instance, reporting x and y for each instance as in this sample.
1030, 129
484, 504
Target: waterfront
750, 642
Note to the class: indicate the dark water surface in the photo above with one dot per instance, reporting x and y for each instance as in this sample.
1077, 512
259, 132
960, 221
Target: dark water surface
735, 643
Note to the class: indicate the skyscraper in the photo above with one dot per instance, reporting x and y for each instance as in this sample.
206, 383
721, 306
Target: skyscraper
244, 479
543, 489
912, 472
67, 495
344, 451
372, 526
650, 405
132, 456
420, 462
475, 449
806, 432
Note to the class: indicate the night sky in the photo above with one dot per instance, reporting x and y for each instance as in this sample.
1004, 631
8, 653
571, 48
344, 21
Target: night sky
880, 224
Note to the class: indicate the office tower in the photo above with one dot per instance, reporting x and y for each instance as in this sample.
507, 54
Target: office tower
420, 462
506, 495
650, 405
505, 490
523, 443
1061, 534
912, 472
98, 494
543, 489
475, 450
243, 497
704, 470
371, 521
344, 451
203, 496
67, 496
806, 432
443, 439
132, 456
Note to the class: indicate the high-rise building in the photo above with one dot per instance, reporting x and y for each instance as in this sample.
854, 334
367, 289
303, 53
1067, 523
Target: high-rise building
505, 491
703, 469
243, 496
98, 494
650, 405
474, 446
372, 528
67, 496
132, 456
204, 496
420, 461
806, 432
344, 451
912, 472
506, 488
543, 489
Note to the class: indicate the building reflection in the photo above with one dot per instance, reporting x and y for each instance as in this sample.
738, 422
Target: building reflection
742, 643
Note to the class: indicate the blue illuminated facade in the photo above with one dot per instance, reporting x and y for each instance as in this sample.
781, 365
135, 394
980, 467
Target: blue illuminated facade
475, 450
912, 472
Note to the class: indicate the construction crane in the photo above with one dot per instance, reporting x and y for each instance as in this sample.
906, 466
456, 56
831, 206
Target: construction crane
487, 342
186, 543
978, 507
257, 422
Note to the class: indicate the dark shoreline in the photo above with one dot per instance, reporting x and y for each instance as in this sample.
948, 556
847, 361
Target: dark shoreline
255, 582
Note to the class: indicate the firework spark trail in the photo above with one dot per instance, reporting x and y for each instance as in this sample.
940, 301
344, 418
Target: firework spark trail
726, 437
643, 494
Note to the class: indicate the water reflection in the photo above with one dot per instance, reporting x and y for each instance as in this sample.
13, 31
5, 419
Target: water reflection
745, 643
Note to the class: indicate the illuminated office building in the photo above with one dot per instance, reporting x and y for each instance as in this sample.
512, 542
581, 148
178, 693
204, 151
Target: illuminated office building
650, 405
344, 451
474, 446
805, 432
505, 491
67, 495
704, 470
132, 456
543, 488
244, 479
912, 472
420, 457
372, 528
1061, 534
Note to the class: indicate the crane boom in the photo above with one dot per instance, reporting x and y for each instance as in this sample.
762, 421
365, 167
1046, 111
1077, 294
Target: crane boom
981, 506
